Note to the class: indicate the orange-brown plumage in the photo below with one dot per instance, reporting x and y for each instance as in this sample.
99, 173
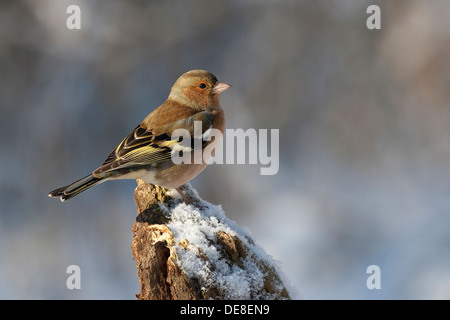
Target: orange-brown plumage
146, 152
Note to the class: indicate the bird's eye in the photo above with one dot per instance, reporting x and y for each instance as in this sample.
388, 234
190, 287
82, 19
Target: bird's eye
202, 85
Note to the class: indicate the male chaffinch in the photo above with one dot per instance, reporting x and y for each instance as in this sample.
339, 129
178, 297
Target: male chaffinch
146, 152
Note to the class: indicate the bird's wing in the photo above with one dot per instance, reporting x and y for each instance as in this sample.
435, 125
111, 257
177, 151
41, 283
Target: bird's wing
143, 147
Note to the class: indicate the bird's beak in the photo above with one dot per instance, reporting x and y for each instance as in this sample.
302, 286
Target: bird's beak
220, 87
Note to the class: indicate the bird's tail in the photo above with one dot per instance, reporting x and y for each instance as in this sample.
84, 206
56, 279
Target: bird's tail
70, 191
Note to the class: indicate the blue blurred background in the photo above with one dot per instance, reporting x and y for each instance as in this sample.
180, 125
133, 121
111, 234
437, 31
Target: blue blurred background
364, 120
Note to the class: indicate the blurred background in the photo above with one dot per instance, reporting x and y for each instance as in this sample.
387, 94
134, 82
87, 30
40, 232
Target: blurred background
364, 120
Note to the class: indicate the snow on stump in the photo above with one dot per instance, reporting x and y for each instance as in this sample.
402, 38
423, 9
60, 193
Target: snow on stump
185, 253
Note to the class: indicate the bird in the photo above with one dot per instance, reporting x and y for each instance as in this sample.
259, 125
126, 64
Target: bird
146, 153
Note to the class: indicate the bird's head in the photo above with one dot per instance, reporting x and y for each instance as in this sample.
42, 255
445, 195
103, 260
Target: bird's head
198, 89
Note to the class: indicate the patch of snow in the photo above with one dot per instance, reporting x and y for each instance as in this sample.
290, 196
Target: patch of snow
200, 227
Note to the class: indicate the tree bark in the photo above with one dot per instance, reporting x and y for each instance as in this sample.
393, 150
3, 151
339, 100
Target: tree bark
228, 255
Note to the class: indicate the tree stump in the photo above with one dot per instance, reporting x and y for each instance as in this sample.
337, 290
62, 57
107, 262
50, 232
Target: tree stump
189, 252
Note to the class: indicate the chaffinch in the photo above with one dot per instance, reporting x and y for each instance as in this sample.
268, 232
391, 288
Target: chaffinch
146, 153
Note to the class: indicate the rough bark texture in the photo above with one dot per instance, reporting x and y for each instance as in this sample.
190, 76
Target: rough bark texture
154, 248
